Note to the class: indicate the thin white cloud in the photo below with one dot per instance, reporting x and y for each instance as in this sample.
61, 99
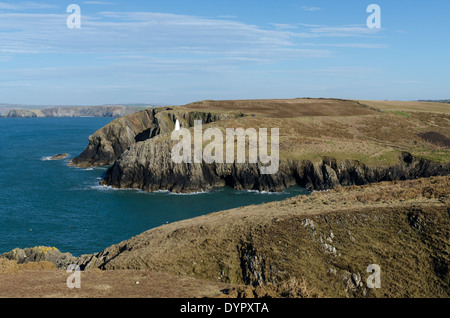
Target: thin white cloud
343, 31
228, 16
127, 36
162, 33
337, 31
350, 45
98, 2
311, 8
17, 6
407, 82
8, 6
137, 32
284, 26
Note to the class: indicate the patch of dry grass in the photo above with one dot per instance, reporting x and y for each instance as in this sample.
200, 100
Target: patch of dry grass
285, 108
408, 106
11, 267
375, 139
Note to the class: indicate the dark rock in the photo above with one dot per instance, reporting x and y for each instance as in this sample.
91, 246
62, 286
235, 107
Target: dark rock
59, 156
148, 165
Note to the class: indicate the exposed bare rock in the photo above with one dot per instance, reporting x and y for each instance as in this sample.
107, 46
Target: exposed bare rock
59, 156
21, 113
148, 165
41, 253
110, 142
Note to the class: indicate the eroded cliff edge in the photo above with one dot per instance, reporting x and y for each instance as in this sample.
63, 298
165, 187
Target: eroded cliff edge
108, 143
148, 166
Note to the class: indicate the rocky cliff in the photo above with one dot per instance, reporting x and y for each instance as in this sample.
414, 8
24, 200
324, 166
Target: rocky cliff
39, 254
72, 111
110, 142
21, 113
148, 165
318, 152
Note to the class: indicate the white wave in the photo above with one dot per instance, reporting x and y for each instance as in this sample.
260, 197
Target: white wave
326, 190
47, 158
161, 191
259, 192
100, 187
191, 193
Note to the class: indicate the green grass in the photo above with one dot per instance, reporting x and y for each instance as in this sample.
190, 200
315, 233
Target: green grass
441, 156
400, 113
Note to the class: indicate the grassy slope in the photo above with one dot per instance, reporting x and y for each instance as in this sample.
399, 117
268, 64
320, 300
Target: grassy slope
321, 240
308, 246
408, 106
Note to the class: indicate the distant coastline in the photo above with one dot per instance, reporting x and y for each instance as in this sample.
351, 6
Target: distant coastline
24, 111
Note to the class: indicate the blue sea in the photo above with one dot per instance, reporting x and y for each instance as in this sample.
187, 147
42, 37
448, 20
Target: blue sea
45, 202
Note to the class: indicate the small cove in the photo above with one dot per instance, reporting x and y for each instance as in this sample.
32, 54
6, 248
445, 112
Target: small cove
45, 202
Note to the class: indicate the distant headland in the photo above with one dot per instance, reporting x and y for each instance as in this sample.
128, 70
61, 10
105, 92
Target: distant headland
26, 111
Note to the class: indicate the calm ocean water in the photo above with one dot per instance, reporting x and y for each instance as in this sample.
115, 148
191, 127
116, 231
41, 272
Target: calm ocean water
44, 202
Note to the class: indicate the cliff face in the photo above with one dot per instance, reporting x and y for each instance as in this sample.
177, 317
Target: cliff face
110, 142
138, 147
148, 165
20, 113
72, 111
96, 111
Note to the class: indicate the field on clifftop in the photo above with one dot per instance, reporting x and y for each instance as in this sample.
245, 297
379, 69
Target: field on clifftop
373, 132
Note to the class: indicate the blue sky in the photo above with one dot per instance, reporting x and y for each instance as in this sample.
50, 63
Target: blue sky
179, 51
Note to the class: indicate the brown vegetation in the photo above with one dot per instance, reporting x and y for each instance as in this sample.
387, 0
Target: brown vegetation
285, 108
